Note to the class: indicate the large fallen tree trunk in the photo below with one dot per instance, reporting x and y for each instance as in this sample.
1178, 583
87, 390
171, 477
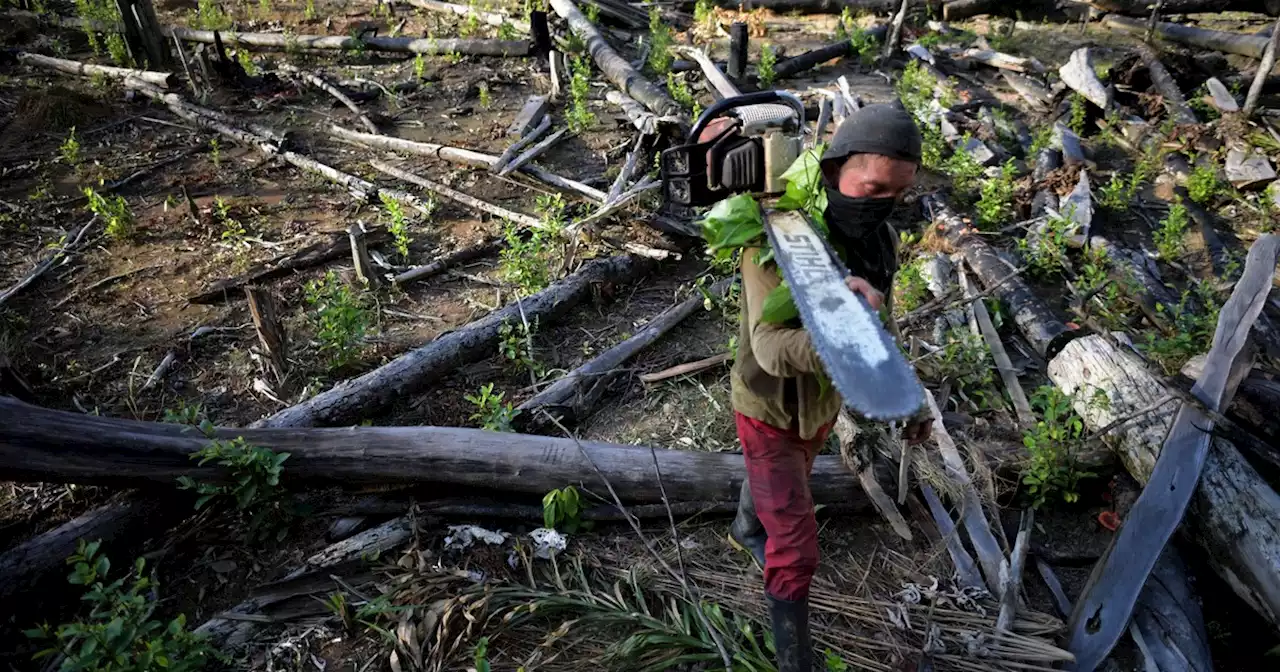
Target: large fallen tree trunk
573, 395
617, 68
809, 59
1046, 333
39, 444
408, 373
167, 79
1104, 609
409, 45
25, 566
491, 18
1213, 40
1144, 7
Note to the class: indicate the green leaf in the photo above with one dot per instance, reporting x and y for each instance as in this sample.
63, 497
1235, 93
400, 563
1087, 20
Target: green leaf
549, 515
778, 307
795, 198
733, 222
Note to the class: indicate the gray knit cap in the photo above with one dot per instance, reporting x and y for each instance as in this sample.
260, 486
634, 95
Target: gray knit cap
876, 129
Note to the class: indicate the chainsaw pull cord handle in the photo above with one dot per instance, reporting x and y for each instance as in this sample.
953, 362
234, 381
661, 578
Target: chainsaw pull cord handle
744, 100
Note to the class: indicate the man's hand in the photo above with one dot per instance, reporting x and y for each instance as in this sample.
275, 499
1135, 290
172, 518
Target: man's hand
873, 296
918, 431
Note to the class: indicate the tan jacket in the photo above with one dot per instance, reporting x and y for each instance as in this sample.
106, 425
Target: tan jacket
774, 377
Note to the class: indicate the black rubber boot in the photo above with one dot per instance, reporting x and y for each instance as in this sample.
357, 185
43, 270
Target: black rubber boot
790, 621
746, 533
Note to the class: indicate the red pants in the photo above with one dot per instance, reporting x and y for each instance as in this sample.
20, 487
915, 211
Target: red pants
778, 464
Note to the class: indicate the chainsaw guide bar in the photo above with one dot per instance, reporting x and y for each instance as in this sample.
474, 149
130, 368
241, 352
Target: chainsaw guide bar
861, 357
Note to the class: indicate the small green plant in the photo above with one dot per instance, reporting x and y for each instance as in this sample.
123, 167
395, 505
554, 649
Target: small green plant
482, 93
1079, 114
526, 260
966, 361
1107, 295
120, 631
1169, 237
834, 663
579, 117
1040, 139
1052, 446
562, 510
864, 44
246, 63
453, 57
264, 6
704, 14
765, 69
965, 171
341, 318
492, 413
515, 344
253, 484
681, 94
309, 10
996, 204
1203, 184
550, 209
232, 230
506, 31
1047, 257
915, 88
398, 224
592, 11
185, 415
469, 26
113, 211
660, 42
419, 66
910, 290
70, 149
933, 147
215, 152
1194, 319
209, 16
1119, 193
480, 659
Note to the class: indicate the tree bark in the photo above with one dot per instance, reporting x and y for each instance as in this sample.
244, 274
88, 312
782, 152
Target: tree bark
374, 391
38, 444
1046, 333
491, 18
485, 248
618, 70
1213, 40
1264, 70
1234, 514
1144, 7
963, 9
573, 395
410, 45
164, 79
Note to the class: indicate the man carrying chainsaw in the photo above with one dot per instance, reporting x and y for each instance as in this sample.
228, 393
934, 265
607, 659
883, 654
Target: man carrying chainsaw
783, 413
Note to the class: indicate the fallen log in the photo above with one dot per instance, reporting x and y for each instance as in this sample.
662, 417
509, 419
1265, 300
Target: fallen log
687, 368
1256, 405
1046, 333
404, 45
39, 444
455, 195
1176, 103
25, 566
43, 266
485, 248
963, 9
615, 67
572, 396
1145, 7
491, 18
164, 79
1212, 40
336, 247
1234, 514
799, 63
320, 83
1264, 70
1002, 60
459, 155
374, 391
1169, 619
1008, 375
1033, 92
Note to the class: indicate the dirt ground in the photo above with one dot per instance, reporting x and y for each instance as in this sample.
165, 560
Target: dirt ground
89, 334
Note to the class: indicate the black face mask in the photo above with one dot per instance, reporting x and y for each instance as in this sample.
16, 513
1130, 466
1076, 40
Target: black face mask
856, 218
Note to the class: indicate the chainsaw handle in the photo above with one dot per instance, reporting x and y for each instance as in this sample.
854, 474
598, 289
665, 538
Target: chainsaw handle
717, 110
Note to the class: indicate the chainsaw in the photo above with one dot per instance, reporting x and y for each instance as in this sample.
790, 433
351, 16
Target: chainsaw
762, 140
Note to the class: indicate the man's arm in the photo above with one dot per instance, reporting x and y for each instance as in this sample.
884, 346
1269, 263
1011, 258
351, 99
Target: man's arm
783, 352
